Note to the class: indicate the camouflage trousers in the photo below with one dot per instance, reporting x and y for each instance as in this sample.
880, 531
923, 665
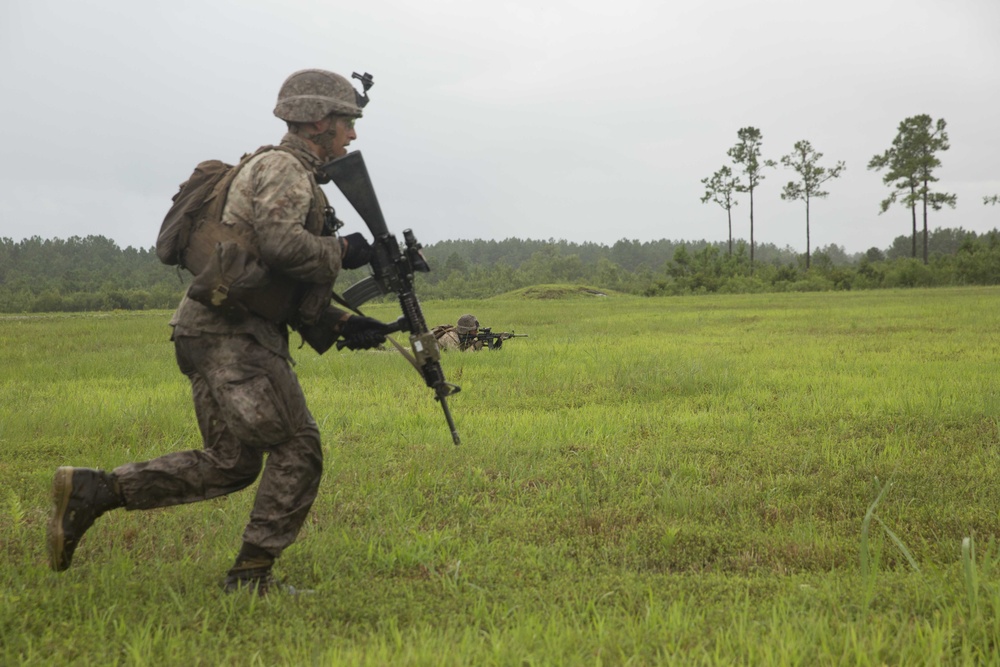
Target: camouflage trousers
249, 403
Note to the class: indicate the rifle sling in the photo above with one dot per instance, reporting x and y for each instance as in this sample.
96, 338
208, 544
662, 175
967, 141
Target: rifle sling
406, 355
402, 350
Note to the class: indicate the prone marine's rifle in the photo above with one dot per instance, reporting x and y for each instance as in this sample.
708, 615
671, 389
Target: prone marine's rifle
494, 341
392, 270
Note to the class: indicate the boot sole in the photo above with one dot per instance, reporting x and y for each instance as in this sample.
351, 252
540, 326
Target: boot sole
62, 487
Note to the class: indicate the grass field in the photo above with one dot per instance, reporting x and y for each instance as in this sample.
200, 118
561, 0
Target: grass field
788, 479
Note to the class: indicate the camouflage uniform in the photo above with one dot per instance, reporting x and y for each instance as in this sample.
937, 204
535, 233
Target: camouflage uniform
460, 337
247, 398
447, 337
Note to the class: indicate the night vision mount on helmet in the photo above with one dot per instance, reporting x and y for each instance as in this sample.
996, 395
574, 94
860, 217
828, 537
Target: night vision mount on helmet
366, 83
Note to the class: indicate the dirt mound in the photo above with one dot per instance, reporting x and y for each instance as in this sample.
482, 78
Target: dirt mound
559, 292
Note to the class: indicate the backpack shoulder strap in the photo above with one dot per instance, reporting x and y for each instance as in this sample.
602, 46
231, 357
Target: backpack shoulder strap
217, 200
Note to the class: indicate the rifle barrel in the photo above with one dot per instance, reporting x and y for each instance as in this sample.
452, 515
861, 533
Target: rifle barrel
447, 416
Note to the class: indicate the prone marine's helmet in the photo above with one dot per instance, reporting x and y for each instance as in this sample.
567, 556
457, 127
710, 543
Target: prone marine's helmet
467, 324
310, 95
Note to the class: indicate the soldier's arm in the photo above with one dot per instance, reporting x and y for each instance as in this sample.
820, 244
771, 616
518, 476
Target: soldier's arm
282, 198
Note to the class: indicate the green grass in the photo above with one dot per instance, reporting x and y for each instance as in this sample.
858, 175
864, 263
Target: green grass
754, 479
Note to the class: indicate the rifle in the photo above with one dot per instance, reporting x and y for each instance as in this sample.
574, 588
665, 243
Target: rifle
392, 271
494, 341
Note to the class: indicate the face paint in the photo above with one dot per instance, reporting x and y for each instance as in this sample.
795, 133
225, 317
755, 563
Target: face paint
335, 139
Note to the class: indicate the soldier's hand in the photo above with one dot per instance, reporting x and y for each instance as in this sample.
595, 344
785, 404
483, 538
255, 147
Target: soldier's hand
363, 333
356, 251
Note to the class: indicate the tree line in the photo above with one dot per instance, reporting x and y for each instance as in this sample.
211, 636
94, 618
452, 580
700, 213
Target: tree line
95, 274
83, 274
908, 167
957, 257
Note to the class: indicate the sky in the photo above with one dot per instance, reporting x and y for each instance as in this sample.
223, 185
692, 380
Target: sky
583, 120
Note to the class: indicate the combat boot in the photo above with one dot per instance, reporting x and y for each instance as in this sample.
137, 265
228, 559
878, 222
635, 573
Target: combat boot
80, 496
253, 576
251, 571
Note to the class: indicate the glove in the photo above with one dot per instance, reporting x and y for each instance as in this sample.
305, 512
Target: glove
362, 333
356, 251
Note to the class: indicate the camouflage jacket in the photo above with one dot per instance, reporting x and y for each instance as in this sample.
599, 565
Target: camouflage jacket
277, 196
448, 339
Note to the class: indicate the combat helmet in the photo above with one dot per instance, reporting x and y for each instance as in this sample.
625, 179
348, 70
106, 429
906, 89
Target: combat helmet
310, 95
467, 324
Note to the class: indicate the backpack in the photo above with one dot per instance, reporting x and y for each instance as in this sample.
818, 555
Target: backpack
200, 198
441, 330
228, 276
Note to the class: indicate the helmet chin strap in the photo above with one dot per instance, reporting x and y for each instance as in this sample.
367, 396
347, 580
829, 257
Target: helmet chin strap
324, 142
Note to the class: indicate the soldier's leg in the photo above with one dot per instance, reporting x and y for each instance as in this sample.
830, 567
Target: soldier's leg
81, 495
292, 470
226, 463
287, 487
286, 492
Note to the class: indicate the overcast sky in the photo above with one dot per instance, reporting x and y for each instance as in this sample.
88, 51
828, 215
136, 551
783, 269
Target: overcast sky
577, 120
